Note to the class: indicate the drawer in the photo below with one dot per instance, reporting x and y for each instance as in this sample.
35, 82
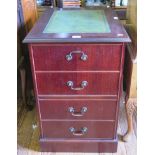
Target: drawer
78, 109
77, 83
78, 129
71, 57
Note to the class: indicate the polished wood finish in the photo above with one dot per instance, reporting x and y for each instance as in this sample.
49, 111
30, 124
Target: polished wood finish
80, 97
96, 129
52, 76
117, 34
98, 83
104, 77
78, 145
59, 109
47, 57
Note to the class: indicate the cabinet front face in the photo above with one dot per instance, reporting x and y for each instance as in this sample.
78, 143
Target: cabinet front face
77, 88
73, 57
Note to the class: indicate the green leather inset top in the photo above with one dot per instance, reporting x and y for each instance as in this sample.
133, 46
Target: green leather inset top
77, 21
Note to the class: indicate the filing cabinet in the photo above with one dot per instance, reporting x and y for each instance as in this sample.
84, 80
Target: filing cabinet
78, 85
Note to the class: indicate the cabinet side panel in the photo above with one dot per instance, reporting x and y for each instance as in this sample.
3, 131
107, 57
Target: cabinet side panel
120, 88
35, 85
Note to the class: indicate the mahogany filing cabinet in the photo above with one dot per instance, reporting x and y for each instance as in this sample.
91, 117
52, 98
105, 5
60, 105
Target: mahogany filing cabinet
77, 78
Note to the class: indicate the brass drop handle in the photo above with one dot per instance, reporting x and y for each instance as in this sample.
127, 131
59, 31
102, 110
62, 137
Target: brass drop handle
71, 85
81, 132
77, 114
69, 56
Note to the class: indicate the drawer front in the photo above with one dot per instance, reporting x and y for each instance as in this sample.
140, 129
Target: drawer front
78, 109
78, 129
77, 83
77, 57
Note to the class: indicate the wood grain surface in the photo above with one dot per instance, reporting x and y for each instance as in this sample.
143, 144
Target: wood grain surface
98, 83
100, 57
95, 129
96, 109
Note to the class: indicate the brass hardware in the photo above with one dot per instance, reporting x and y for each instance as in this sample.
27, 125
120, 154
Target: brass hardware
69, 57
71, 84
77, 114
82, 131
